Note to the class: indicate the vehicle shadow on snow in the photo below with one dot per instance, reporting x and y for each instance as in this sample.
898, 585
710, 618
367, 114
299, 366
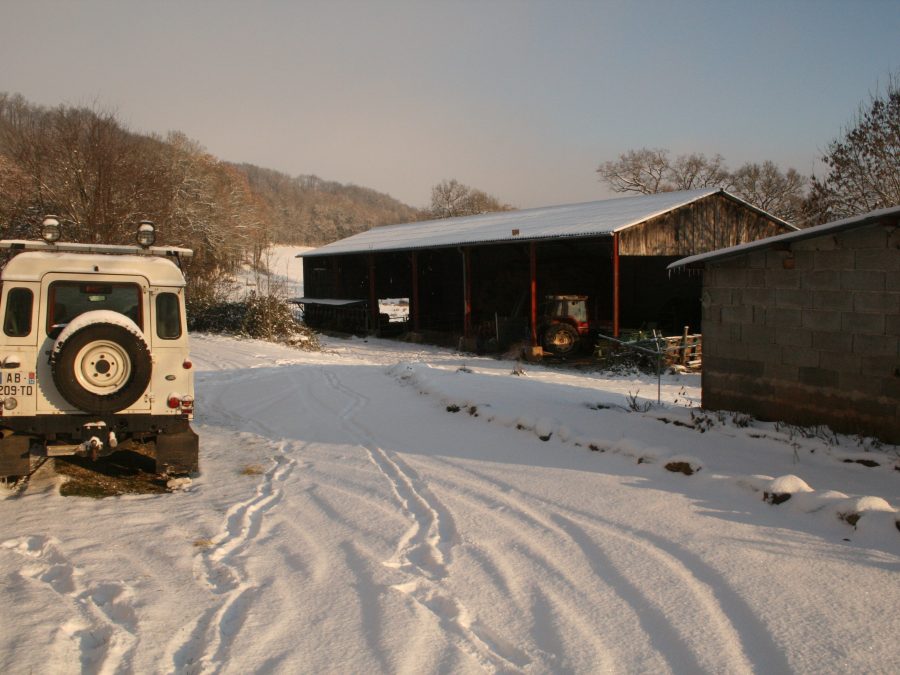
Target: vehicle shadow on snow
123, 472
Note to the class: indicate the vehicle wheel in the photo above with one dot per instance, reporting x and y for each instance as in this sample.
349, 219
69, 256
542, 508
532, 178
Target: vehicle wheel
561, 339
101, 368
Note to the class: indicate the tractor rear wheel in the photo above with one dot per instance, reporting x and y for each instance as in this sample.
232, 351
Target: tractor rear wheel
560, 339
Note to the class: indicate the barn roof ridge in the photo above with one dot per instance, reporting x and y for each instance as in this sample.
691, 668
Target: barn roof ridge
604, 217
833, 226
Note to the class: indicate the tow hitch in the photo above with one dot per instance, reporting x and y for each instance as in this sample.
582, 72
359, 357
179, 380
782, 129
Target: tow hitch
93, 446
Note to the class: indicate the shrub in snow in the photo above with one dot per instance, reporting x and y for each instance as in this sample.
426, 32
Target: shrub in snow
686, 465
544, 428
265, 317
216, 317
781, 488
268, 317
524, 423
852, 510
636, 405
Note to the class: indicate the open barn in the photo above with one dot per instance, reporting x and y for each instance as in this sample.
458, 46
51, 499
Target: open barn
490, 277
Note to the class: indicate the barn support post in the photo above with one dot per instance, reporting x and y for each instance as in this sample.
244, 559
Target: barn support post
415, 291
615, 266
532, 285
373, 296
467, 292
336, 277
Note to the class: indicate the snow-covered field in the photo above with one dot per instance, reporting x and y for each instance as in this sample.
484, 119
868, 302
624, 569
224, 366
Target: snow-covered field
383, 507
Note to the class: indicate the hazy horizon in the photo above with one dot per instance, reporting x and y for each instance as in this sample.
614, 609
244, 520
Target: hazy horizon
520, 99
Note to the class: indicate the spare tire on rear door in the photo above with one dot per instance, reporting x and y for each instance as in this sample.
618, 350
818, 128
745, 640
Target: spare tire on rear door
101, 362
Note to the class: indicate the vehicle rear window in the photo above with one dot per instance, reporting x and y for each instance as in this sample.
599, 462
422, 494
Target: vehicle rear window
168, 316
69, 299
19, 309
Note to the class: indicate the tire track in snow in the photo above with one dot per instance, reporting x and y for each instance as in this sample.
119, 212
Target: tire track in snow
741, 640
425, 549
208, 645
103, 626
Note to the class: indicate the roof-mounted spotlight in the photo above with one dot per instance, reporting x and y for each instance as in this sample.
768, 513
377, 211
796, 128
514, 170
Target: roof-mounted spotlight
146, 233
50, 231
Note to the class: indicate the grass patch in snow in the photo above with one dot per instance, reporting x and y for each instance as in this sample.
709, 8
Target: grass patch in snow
252, 470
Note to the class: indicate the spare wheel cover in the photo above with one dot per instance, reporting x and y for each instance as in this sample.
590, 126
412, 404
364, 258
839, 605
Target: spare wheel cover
101, 367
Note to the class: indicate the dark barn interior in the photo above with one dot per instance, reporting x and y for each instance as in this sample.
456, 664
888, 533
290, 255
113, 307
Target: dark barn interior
495, 288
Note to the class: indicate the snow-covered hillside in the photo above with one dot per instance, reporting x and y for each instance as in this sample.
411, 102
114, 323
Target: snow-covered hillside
384, 507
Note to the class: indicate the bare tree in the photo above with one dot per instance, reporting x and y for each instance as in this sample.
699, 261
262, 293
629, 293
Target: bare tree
766, 186
648, 171
864, 163
643, 171
696, 171
450, 198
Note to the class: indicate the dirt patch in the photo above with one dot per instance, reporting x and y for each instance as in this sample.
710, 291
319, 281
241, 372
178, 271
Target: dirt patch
123, 473
865, 462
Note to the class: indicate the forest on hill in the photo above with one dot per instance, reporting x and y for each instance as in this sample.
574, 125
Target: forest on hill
309, 211
100, 179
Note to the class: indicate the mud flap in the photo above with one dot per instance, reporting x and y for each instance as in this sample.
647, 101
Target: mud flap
14, 456
178, 451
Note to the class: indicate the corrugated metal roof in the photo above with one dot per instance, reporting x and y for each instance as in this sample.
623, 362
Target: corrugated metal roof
780, 239
549, 222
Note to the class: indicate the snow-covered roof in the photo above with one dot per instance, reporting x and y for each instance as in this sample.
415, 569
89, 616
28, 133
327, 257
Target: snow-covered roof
809, 233
549, 222
33, 265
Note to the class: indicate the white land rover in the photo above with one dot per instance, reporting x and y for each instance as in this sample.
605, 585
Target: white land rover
94, 352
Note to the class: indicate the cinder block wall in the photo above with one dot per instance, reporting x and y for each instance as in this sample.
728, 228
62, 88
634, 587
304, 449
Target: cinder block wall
809, 335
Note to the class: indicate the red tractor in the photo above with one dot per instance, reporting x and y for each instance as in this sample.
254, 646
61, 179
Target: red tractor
563, 324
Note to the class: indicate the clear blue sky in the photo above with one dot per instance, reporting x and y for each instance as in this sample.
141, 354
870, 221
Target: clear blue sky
520, 99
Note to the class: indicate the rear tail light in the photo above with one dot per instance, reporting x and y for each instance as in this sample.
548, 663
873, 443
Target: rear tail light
183, 404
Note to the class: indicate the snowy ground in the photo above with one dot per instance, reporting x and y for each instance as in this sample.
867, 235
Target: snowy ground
382, 507
285, 273
346, 521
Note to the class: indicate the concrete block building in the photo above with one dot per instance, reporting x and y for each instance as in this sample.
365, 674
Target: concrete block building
805, 326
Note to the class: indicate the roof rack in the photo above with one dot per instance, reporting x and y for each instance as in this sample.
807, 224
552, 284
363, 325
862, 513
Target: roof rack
70, 247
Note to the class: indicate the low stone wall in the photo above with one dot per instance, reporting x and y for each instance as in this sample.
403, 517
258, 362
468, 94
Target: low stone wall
809, 335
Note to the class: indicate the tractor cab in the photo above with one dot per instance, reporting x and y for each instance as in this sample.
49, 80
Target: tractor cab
563, 323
